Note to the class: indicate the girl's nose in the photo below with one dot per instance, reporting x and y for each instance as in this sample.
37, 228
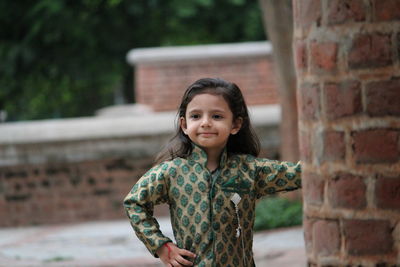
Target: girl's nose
206, 122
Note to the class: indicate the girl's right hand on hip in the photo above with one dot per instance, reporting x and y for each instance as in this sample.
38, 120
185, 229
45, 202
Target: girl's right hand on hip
172, 256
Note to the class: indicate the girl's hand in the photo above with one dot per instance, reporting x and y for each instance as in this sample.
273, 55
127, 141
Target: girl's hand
172, 256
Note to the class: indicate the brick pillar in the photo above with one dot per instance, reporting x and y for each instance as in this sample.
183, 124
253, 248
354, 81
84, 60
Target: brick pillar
347, 62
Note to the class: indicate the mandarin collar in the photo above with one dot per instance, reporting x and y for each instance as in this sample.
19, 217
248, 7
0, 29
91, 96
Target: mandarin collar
200, 156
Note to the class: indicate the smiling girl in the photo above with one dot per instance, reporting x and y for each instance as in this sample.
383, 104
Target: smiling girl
210, 176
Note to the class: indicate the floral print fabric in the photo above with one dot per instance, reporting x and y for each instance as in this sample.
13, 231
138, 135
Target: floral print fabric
204, 219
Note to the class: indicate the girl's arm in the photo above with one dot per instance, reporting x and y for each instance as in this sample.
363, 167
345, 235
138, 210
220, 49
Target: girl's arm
274, 176
150, 190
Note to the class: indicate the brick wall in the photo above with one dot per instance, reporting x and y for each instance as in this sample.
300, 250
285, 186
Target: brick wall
162, 74
62, 171
347, 59
67, 192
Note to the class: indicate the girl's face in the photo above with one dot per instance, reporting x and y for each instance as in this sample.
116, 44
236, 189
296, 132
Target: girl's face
209, 121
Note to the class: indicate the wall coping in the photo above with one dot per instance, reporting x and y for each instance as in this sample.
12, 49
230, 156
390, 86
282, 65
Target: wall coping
194, 52
108, 127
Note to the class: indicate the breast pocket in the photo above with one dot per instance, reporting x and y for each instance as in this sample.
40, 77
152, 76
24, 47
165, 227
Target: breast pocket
236, 185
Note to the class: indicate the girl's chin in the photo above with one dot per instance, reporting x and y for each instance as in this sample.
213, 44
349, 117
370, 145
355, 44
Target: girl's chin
207, 146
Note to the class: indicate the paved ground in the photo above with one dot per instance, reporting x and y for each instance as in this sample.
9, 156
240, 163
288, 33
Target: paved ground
113, 243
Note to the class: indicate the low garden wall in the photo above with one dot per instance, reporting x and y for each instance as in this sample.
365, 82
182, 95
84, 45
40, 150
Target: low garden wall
61, 171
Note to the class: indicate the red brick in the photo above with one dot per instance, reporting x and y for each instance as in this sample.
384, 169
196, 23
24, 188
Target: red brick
387, 192
376, 146
308, 95
370, 51
307, 13
367, 237
308, 228
347, 191
324, 55
341, 11
386, 10
313, 186
300, 50
398, 46
326, 238
342, 99
334, 147
305, 146
383, 97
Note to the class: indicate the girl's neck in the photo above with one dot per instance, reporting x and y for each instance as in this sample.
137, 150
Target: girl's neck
213, 158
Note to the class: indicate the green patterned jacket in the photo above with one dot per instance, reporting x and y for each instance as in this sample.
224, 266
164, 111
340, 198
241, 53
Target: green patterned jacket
203, 216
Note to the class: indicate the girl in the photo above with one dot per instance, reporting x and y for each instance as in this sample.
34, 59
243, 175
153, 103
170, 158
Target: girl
210, 176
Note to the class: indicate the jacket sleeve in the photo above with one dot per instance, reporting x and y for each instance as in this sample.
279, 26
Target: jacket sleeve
151, 189
273, 176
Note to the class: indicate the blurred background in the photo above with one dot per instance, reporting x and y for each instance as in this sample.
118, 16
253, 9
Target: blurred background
88, 95
62, 59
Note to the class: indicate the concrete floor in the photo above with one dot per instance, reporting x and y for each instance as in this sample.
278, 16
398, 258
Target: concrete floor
113, 243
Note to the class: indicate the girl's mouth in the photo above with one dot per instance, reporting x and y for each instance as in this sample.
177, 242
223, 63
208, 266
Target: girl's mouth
207, 134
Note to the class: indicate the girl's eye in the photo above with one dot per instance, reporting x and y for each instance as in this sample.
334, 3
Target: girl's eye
217, 117
194, 116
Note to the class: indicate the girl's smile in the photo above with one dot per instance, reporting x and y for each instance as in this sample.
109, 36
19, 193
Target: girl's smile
208, 134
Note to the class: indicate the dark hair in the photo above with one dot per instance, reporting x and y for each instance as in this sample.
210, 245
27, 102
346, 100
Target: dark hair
244, 142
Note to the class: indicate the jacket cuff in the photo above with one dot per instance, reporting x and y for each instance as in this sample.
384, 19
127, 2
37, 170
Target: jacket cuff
153, 249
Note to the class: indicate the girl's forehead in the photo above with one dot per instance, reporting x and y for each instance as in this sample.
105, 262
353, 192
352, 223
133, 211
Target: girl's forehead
207, 100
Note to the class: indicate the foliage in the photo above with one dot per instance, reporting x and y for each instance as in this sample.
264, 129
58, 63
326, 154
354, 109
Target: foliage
64, 58
275, 212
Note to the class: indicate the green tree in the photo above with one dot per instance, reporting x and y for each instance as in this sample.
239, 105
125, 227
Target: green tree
63, 58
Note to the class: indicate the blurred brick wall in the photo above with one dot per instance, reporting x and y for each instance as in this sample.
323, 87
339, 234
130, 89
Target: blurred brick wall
161, 81
70, 192
75, 170
347, 59
67, 192
72, 170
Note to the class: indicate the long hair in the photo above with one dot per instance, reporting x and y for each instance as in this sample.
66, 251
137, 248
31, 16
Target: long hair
244, 142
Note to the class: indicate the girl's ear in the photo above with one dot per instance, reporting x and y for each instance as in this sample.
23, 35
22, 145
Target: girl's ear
237, 125
182, 123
